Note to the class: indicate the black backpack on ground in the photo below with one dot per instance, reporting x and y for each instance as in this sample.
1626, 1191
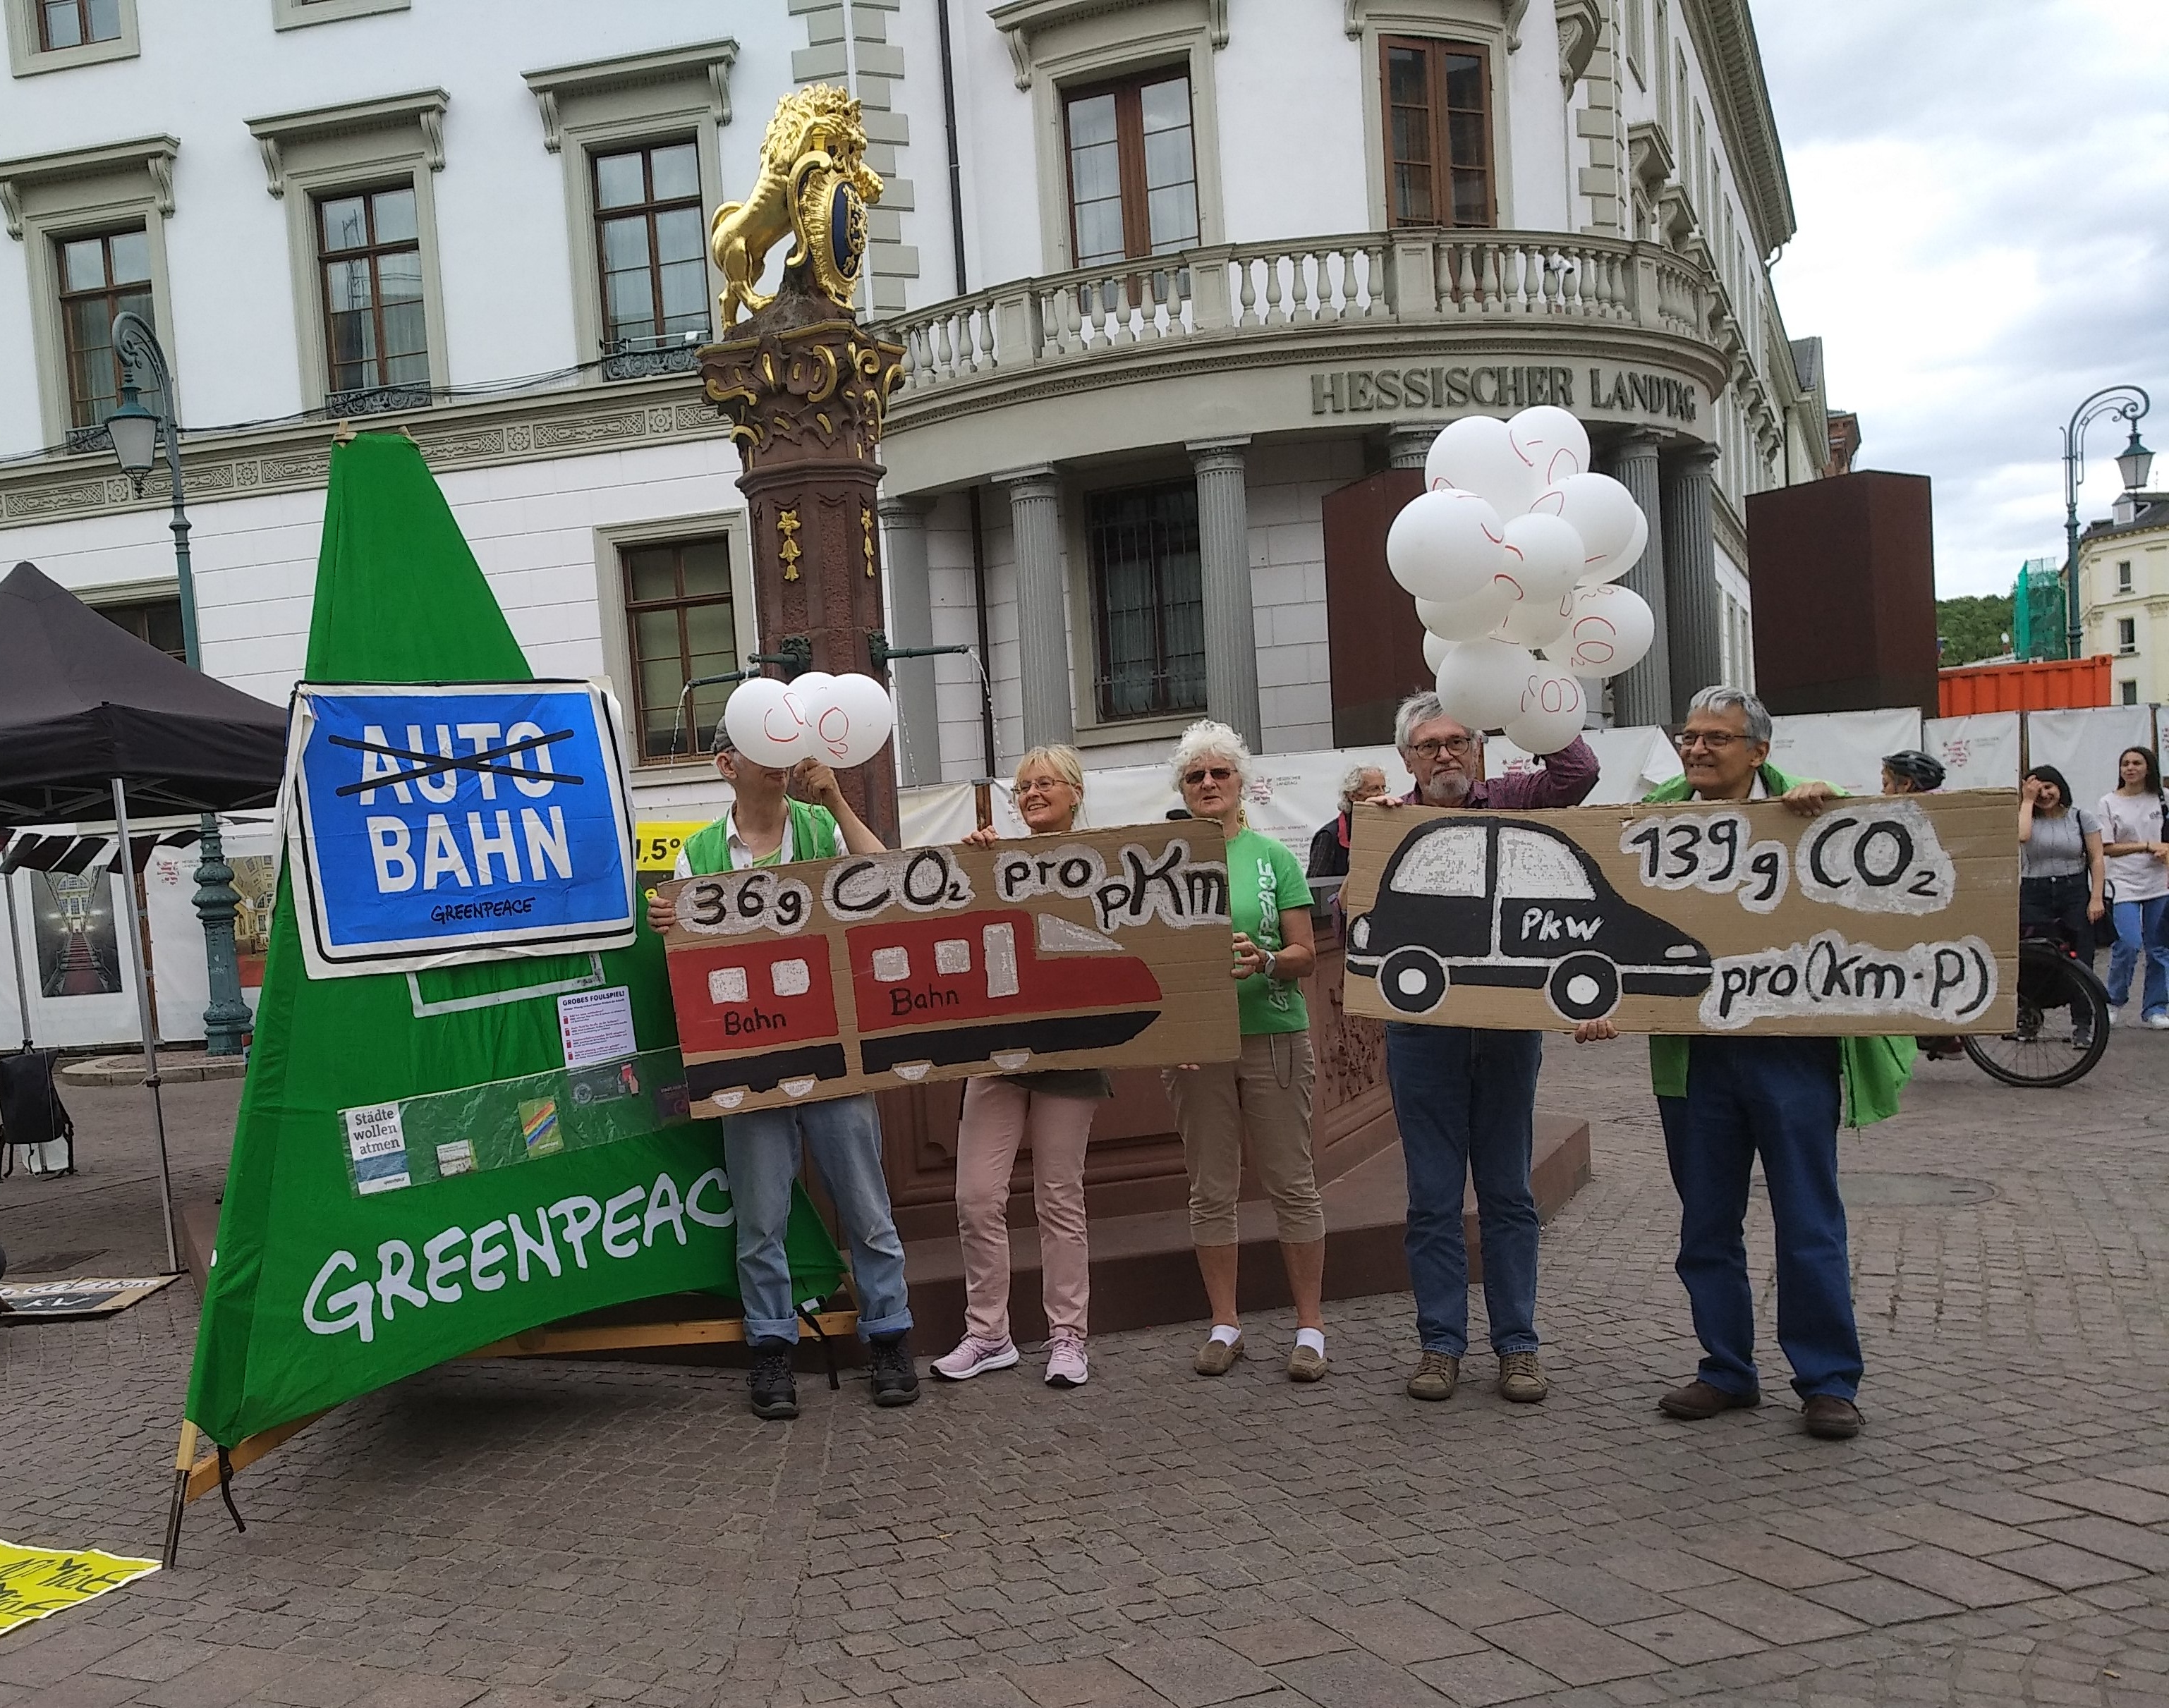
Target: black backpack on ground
31, 1112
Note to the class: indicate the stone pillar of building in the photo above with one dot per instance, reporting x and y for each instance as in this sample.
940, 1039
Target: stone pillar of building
1223, 551
1691, 599
1408, 442
1643, 694
911, 625
1042, 621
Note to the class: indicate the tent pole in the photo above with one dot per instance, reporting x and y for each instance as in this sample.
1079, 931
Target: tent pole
143, 1012
15, 946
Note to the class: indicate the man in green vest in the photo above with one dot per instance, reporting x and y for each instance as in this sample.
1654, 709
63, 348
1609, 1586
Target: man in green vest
765, 826
1726, 1100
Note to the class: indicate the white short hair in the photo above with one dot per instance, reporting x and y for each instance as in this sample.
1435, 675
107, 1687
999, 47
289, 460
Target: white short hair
1205, 739
1721, 700
1353, 781
1418, 708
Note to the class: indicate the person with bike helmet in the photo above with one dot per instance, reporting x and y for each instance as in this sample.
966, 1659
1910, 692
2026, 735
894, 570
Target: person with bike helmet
2061, 875
2134, 821
1911, 771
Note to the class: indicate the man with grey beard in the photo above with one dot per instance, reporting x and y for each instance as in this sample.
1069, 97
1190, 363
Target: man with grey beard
1465, 1098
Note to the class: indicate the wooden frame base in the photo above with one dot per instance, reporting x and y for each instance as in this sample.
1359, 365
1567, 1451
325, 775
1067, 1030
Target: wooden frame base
196, 1475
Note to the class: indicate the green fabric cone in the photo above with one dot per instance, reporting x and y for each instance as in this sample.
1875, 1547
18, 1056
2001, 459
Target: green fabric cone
300, 1265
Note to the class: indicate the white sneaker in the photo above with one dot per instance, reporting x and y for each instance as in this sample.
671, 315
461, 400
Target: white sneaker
975, 1357
2157, 1023
2115, 1014
1066, 1364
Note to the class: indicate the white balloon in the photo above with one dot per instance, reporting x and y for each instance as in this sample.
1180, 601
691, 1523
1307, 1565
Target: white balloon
1536, 622
1554, 443
809, 684
1470, 618
1602, 511
767, 723
1543, 556
1434, 652
1445, 545
1611, 630
1612, 567
1480, 683
1551, 712
850, 719
1476, 454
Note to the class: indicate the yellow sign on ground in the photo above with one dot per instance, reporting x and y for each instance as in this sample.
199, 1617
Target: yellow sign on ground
35, 1581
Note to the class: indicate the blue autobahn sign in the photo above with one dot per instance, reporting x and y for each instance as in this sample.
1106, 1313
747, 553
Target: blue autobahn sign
434, 824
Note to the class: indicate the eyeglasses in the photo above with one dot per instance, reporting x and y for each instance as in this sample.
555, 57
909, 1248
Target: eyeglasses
1717, 741
1038, 786
1454, 745
1218, 774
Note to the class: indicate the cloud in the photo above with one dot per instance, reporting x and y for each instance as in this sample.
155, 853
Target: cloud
1982, 187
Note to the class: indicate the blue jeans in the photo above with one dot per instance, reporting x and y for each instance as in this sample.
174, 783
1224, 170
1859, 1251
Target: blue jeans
2142, 927
761, 1154
1779, 1098
1465, 1100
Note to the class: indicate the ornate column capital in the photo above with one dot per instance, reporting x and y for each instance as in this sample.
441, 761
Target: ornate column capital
1408, 442
1218, 455
1040, 480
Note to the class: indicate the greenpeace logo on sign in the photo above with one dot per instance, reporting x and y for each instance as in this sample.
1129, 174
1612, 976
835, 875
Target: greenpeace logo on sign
434, 825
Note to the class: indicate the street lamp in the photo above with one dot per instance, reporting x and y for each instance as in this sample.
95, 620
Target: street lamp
2134, 463
138, 435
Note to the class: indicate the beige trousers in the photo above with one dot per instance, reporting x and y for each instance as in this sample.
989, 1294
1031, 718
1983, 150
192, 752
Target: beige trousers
998, 1116
1264, 1097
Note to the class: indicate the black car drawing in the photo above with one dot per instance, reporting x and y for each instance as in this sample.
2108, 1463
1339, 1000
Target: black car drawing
1505, 901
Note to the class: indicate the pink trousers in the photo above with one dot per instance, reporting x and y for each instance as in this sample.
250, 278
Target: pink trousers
998, 1116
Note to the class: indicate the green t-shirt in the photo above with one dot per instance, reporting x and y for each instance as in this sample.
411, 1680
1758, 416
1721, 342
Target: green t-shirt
1263, 879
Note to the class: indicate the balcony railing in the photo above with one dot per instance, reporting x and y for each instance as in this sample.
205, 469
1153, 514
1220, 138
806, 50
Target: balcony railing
1369, 279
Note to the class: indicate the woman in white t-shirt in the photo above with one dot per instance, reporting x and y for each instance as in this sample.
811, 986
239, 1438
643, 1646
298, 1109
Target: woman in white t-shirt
2137, 845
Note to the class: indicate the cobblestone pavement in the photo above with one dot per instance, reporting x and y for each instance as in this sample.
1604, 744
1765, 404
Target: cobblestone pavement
500, 1535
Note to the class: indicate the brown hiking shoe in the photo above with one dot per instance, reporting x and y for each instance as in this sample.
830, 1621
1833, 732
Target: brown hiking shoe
1522, 1378
1829, 1418
1698, 1400
1437, 1373
1217, 1357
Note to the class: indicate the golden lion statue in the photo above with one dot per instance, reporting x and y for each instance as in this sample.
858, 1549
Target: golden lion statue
816, 143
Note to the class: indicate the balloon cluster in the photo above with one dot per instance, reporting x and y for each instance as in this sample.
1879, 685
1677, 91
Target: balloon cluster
1511, 553
841, 721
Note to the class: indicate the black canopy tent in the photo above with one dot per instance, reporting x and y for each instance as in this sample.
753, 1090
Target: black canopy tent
94, 722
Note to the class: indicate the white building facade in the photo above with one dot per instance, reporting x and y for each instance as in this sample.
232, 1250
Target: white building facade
1185, 288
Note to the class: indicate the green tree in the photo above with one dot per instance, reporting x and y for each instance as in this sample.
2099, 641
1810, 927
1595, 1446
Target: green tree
1970, 630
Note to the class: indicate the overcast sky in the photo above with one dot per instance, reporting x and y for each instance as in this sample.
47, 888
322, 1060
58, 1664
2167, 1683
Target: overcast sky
1982, 189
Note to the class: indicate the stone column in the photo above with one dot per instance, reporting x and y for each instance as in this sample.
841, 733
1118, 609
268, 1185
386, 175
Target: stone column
911, 624
1643, 694
1224, 550
1043, 623
1691, 592
1408, 442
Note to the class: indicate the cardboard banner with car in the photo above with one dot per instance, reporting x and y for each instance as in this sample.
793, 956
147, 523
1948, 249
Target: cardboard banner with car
1883, 914
1106, 949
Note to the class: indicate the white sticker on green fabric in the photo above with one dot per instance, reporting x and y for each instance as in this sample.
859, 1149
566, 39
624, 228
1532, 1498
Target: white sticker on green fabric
457, 1157
378, 1143
596, 1026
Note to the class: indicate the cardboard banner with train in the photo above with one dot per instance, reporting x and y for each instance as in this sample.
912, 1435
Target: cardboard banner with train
1884, 914
1106, 949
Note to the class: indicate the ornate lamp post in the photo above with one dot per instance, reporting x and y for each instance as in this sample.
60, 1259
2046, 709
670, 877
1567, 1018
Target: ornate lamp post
138, 436
2134, 463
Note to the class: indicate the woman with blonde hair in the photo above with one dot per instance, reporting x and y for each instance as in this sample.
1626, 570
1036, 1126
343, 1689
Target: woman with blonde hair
1053, 1111
1262, 1101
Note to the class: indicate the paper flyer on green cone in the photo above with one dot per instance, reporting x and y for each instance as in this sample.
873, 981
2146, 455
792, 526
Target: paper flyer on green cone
429, 1160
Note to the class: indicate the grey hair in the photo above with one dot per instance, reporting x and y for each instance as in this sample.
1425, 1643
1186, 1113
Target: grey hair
1203, 739
1721, 700
1421, 708
1352, 780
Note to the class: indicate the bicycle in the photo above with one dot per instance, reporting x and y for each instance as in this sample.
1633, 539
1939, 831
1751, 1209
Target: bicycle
2037, 1052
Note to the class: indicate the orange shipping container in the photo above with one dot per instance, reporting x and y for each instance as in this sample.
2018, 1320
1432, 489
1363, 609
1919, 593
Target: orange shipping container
2023, 687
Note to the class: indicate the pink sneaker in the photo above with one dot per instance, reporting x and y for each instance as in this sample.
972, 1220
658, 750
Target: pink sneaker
975, 1357
1066, 1367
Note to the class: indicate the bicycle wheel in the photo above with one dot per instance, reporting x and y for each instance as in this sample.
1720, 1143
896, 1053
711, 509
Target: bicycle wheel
2062, 1027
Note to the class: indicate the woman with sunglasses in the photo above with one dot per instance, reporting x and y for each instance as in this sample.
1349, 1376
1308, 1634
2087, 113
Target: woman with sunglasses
1051, 1110
1261, 1102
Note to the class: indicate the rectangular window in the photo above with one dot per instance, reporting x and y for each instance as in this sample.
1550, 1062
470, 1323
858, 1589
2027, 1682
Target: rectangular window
1132, 170
370, 256
99, 277
1638, 24
76, 22
650, 246
155, 621
679, 619
1438, 133
2127, 690
2127, 634
2124, 578
1147, 600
